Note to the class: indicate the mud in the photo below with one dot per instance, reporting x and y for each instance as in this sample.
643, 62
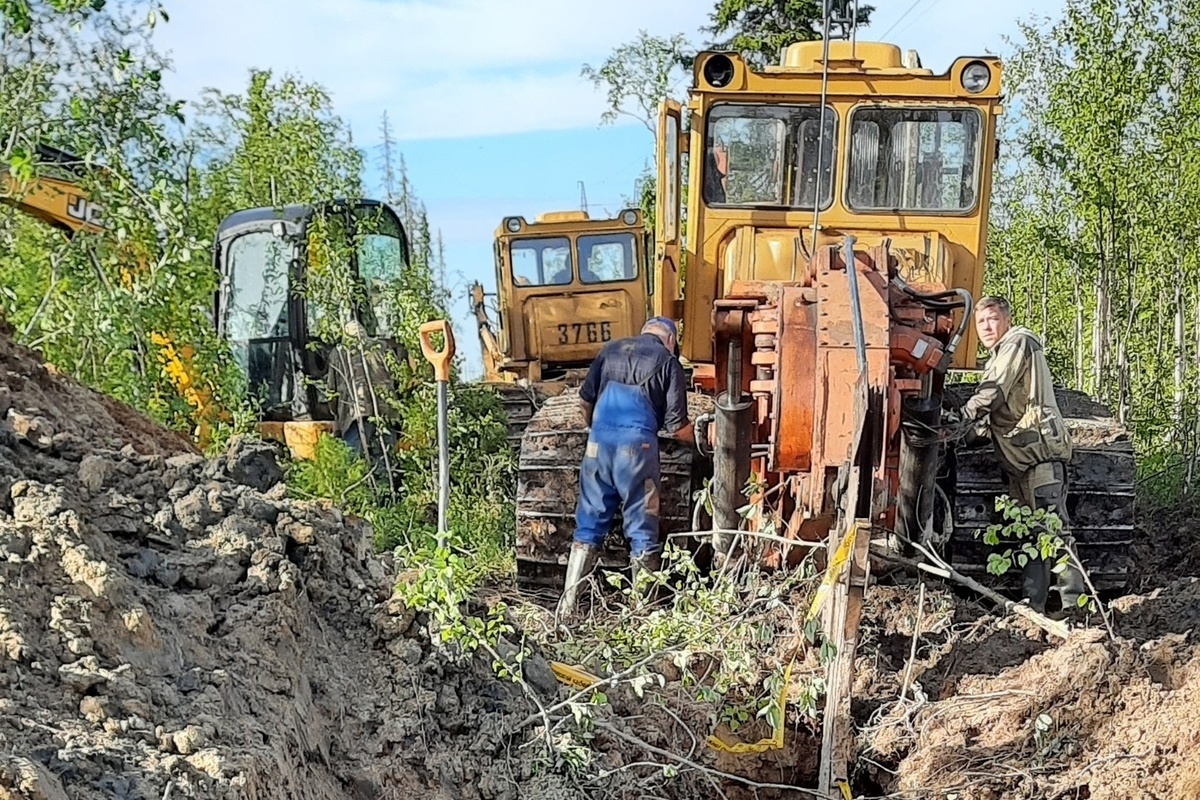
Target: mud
174, 627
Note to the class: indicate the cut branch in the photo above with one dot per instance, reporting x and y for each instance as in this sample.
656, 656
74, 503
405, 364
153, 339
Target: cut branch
941, 568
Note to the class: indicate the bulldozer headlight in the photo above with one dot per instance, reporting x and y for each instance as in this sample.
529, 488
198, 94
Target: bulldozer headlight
513, 224
976, 77
718, 70
629, 217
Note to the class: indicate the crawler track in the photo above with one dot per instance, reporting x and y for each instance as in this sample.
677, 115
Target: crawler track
548, 486
1100, 496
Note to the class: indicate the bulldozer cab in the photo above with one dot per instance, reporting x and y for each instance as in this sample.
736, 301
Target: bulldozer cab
566, 285
265, 258
897, 155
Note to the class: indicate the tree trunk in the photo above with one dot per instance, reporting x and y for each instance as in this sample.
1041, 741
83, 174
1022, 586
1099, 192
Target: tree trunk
1046, 299
1180, 359
1028, 318
1079, 377
1196, 422
1099, 321
1122, 380
1099, 335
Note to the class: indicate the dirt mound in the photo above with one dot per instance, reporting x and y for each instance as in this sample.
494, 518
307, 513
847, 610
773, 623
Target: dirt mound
166, 630
61, 414
172, 626
996, 711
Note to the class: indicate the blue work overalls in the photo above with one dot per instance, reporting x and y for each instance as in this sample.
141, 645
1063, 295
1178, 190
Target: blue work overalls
620, 465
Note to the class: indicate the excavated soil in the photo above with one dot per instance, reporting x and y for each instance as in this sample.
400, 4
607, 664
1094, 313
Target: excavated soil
173, 627
995, 709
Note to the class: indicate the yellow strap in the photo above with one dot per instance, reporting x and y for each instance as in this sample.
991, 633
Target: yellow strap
762, 745
573, 676
832, 572
845, 787
838, 563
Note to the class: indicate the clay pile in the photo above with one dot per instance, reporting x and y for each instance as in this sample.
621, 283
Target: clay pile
174, 627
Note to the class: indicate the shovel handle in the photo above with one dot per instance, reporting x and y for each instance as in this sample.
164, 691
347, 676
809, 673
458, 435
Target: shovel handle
440, 359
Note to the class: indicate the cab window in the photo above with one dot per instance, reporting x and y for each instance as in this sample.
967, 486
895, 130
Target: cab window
382, 258
914, 159
606, 258
256, 317
258, 288
759, 155
541, 262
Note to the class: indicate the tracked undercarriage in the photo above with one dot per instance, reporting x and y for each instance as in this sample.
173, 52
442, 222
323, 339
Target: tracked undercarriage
550, 436
1100, 495
552, 448
520, 402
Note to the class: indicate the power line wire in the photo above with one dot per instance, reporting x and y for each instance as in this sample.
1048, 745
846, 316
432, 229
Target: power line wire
900, 19
919, 17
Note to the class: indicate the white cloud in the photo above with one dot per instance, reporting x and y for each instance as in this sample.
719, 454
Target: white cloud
445, 69
455, 68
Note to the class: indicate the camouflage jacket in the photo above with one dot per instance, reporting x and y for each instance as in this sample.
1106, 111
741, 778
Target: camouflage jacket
1016, 396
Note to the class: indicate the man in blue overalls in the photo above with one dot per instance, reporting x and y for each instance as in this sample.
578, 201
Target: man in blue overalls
634, 389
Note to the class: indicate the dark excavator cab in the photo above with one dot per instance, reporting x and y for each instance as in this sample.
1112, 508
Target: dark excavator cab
265, 258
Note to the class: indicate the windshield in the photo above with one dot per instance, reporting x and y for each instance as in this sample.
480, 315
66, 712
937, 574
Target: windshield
541, 262
608, 257
381, 262
767, 156
908, 159
374, 260
256, 315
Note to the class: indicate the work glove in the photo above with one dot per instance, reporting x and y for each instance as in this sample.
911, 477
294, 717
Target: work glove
975, 433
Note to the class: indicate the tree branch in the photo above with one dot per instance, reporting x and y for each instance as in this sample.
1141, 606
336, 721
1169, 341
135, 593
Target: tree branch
944, 570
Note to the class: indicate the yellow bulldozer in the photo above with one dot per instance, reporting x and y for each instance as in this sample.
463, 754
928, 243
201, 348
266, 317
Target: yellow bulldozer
566, 285
834, 236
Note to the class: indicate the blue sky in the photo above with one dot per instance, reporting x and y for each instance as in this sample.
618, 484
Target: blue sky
485, 97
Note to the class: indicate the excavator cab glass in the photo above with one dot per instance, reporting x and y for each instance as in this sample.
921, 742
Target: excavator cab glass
760, 155
258, 315
541, 261
279, 332
607, 258
914, 159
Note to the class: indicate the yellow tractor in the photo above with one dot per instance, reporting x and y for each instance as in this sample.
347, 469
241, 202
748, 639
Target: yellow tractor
566, 285
834, 252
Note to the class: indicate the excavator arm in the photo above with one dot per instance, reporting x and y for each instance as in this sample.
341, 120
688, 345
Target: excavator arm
492, 355
63, 204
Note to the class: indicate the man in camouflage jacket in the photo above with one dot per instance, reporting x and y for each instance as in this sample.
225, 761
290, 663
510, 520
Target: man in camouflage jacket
1015, 403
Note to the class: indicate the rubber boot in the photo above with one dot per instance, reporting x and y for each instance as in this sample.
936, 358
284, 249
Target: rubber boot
647, 562
1036, 583
579, 566
1071, 586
